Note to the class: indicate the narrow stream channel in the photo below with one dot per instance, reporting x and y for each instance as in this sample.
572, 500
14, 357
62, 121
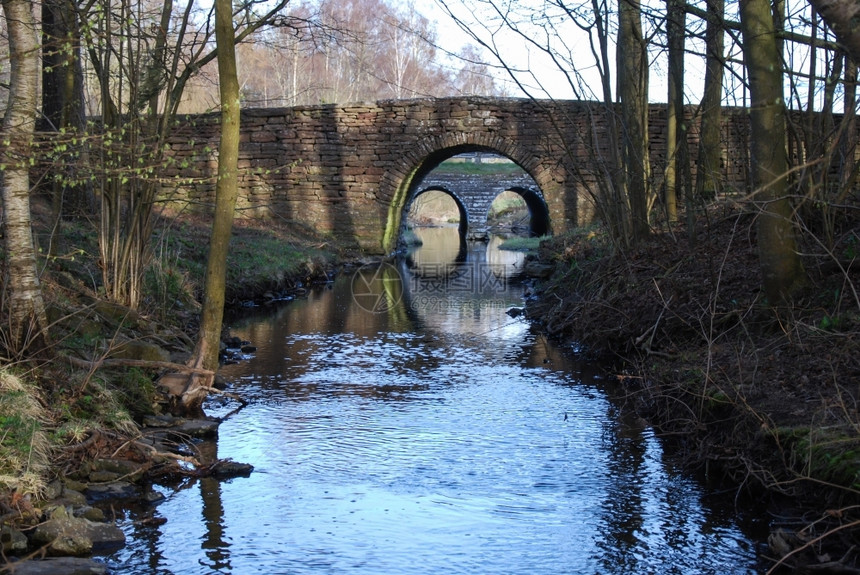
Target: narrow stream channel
400, 421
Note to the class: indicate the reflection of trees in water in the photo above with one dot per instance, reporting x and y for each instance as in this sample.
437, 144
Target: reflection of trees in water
440, 248
331, 309
213, 541
623, 504
216, 548
503, 259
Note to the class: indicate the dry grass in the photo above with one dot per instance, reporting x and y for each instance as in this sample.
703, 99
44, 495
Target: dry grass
24, 445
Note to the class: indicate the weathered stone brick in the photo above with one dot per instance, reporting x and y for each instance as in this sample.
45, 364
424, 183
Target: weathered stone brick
359, 155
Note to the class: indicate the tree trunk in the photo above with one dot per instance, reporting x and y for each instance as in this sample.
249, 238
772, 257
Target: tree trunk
632, 61
28, 323
843, 17
708, 165
848, 143
226, 191
782, 272
62, 107
680, 156
675, 20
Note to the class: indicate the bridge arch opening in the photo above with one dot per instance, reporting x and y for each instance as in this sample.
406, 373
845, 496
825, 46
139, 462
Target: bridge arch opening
508, 207
436, 205
420, 178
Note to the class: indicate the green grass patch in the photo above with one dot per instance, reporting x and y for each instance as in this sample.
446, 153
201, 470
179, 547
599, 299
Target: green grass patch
520, 244
259, 259
829, 454
471, 168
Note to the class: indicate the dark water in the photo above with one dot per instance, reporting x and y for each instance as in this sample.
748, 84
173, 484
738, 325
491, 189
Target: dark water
401, 422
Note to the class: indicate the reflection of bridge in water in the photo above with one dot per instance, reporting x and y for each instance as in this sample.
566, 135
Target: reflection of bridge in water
460, 277
445, 286
447, 289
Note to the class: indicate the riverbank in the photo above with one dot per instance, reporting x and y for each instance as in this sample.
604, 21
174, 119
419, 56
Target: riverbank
764, 399
92, 425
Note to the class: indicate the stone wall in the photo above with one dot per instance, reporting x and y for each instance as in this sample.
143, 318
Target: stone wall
349, 170
474, 195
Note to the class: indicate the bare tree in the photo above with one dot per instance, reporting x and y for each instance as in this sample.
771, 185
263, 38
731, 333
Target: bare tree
143, 56
632, 62
62, 106
226, 192
782, 272
708, 164
677, 143
349, 51
553, 30
843, 16
474, 77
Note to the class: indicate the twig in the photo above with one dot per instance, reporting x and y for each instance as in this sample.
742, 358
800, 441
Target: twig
235, 396
81, 445
153, 452
810, 543
653, 329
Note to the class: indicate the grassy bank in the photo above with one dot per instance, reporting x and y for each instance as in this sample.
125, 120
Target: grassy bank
521, 244
265, 257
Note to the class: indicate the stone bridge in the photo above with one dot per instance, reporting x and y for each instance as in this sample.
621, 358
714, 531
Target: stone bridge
351, 170
474, 194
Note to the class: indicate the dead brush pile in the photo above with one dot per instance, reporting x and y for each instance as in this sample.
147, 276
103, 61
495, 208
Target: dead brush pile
655, 298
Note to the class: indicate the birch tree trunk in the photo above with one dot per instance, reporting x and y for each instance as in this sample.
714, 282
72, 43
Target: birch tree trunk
27, 330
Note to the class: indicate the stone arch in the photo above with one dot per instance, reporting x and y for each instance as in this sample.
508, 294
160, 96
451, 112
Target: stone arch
461, 206
539, 221
400, 182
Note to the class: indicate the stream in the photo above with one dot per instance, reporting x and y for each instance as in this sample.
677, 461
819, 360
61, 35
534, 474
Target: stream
401, 421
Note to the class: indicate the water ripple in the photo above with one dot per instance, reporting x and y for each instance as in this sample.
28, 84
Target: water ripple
382, 449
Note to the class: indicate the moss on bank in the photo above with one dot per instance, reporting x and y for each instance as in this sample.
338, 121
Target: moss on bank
264, 257
521, 244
